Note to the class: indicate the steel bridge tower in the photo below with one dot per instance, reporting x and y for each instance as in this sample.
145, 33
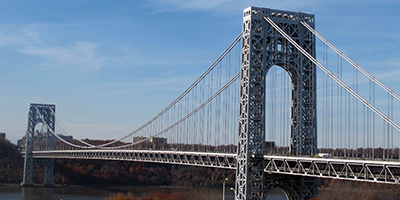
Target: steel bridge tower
39, 113
262, 48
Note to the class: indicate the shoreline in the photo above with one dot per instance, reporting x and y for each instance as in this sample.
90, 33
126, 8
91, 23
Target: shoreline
103, 186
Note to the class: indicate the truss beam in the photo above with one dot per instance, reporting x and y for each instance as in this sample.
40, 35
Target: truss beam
354, 170
313, 167
216, 160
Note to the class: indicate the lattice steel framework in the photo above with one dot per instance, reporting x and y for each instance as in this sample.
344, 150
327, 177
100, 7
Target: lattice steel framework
201, 159
39, 113
292, 170
263, 47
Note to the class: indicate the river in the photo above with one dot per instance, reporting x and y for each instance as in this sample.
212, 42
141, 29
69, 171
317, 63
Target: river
14, 192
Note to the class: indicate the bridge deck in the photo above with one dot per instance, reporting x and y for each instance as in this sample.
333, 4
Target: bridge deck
207, 159
346, 169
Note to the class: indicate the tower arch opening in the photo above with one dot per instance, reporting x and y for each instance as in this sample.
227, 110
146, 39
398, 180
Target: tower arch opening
39, 136
277, 110
38, 172
277, 193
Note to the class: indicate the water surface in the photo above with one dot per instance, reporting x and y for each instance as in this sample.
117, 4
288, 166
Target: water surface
14, 192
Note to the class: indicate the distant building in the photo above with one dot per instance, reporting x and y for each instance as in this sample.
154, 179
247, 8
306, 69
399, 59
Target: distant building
3, 136
154, 140
269, 144
138, 139
64, 137
158, 140
21, 143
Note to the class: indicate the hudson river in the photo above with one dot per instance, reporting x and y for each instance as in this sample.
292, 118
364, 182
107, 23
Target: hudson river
14, 192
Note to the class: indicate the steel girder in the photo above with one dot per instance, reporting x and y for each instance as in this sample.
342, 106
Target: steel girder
355, 170
262, 48
282, 167
39, 113
226, 161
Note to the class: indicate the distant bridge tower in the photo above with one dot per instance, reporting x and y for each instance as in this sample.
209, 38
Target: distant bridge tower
262, 48
39, 113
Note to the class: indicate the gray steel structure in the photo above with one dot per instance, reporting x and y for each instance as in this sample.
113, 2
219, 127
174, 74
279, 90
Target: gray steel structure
39, 113
192, 158
262, 48
293, 168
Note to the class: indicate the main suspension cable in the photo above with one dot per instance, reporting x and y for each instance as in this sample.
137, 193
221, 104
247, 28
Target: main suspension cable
330, 74
193, 85
391, 92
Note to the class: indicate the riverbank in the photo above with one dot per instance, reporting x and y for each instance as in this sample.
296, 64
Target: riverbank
95, 192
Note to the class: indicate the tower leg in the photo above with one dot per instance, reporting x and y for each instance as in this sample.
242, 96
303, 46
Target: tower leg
48, 165
28, 170
295, 187
39, 113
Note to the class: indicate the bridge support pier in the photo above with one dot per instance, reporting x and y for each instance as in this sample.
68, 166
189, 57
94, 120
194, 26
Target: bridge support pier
48, 165
262, 48
295, 187
39, 113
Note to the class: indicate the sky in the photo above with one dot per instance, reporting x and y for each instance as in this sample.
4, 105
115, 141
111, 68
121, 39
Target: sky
111, 65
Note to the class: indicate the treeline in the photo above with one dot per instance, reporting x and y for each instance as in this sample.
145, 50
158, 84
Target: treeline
334, 189
11, 162
162, 195
100, 172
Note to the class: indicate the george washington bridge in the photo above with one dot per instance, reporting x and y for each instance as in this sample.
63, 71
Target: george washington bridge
260, 108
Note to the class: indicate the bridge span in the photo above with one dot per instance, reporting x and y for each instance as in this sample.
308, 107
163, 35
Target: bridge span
336, 168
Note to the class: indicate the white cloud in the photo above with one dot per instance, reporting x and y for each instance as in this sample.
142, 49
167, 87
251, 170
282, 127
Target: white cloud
20, 35
36, 40
81, 54
7, 40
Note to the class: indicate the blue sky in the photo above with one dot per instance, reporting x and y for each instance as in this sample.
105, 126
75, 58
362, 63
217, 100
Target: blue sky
109, 66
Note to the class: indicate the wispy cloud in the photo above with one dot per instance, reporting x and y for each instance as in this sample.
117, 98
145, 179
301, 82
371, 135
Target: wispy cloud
39, 40
8, 40
179, 5
80, 54
223, 6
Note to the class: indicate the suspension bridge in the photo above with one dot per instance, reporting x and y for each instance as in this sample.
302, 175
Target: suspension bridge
255, 110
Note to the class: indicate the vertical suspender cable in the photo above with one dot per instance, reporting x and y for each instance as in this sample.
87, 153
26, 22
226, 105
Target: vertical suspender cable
323, 118
391, 92
338, 106
373, 122
341, 105
339, 81
391, 128
326, 99
348, 123
332, 114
